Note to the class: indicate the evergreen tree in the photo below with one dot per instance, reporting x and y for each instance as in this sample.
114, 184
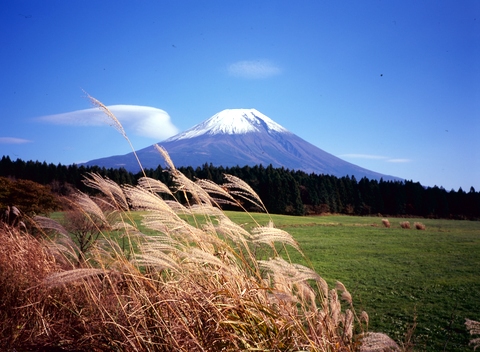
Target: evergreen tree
282, 190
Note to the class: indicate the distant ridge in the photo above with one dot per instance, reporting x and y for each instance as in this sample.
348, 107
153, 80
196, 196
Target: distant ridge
239, 137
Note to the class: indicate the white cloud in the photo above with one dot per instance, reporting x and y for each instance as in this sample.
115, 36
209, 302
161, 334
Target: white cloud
254, 69
143, 121
363, 156
12, 140
398, 160
375, 157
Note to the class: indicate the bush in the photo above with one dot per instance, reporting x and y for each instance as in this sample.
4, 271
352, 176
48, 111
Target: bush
28, 196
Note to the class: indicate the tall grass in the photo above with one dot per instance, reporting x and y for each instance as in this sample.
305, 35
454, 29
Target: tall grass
187, 288
197, 282
473, 328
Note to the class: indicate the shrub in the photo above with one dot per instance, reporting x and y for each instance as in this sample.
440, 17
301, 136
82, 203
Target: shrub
28, 196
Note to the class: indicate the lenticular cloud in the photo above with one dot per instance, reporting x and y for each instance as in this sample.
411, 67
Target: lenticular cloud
143, 121
13, 140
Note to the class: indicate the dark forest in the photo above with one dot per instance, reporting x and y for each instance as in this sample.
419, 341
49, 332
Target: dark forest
283, 191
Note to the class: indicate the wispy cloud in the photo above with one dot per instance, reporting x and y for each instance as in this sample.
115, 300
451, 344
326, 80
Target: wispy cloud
375, 157
398, 160
363, 156
12, 140
254, 69
143, 121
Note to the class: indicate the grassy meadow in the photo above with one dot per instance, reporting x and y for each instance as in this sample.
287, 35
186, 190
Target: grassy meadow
418, 286
95, 281
158, 281
398, 276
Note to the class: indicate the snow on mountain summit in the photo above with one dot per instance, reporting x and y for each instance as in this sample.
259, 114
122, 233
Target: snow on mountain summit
239, 137
231, 121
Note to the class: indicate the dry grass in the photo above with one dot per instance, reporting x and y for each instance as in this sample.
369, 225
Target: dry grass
188, 288
199, 283
24, 263
405, 224
419, 226
473, 328
378, 342
386, 223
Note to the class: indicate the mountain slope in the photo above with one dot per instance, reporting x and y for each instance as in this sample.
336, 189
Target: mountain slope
241, 137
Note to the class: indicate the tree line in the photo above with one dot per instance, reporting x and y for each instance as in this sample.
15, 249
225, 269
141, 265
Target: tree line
283, 191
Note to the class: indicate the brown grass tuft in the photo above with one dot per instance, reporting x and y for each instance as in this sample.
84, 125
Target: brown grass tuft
378, 342
386, 223
405, 224
24, 264
419, 226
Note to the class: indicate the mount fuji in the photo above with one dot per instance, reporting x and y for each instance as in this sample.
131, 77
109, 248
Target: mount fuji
239, 137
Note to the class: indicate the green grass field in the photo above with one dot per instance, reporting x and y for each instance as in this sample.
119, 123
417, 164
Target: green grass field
397, 275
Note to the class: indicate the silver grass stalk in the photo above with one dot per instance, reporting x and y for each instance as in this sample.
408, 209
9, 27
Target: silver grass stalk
50, 224
347, 297
270, 235
109, 188
473, 328
348, 324
160, 260
202, 258
335, 308
364, 317
240, 188
154, 185
196, 191
209, 211
62, 247
339, 286
291, 279
114, 123
70, 276
232, 230
212, 188
142, 199
178, 208
90, 207
166, 157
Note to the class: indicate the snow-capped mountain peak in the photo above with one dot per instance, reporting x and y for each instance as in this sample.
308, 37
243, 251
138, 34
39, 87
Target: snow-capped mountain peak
238, 137
232, 121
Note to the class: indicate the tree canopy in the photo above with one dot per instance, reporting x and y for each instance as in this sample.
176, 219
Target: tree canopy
282, 190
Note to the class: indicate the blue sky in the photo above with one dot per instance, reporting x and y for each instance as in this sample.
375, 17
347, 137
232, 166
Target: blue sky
392, 86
